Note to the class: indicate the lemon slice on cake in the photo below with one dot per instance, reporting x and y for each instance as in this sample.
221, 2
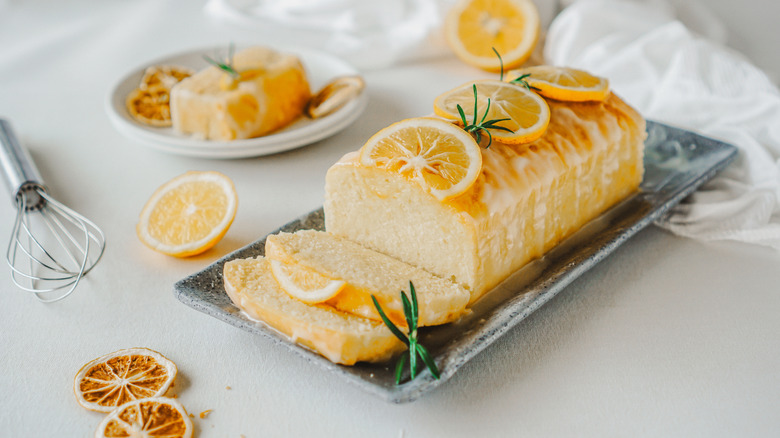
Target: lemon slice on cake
527, 113
189, 214
305, 284
439, 156
563, 83
473, 28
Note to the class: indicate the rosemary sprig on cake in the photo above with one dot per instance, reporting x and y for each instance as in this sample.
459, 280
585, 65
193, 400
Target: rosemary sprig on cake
476, 128
225, 65
521, 80
415, 349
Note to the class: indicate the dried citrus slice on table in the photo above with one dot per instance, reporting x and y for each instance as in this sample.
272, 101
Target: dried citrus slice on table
439, 156
123, 376
189, 214
147, 417
473, 28
563, 83
527, 112
334, 95
305, 284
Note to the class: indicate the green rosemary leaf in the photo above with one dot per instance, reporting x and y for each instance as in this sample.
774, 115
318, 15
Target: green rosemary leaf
398, 333
475, 103
399, 367
501, 63
408, 314
426, 357
415, 308
462, 115
487, 110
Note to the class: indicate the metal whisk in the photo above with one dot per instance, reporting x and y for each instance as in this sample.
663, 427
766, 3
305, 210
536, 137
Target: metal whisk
51, 247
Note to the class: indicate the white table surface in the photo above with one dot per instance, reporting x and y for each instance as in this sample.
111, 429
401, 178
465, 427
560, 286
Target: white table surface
666, 337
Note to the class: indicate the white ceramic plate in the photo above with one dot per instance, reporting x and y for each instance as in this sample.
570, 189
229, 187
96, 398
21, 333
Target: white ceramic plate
320, 67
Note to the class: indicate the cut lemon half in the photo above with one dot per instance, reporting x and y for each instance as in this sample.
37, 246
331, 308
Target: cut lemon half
147, 417
473, 28
122, 376
527, 112
439, 156
189, 214
563, 83
304, 284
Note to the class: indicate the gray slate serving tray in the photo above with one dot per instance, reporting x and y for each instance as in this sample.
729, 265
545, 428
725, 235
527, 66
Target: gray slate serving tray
676, 163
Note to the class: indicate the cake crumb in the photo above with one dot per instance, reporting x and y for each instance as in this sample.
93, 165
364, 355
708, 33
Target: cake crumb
192, 415
205, 413
228, 388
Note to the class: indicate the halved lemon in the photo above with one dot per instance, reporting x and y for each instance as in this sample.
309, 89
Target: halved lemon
305, 284
148, 417
473, 28
122, 376
527, 112
439, 156
563, 83
189, 214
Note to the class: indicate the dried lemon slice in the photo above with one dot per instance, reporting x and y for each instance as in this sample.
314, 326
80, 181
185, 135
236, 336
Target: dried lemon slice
164, 75
334, 95
150, 106
563, 83
148, 417
189, 214
305, 284
122, 376
439, 156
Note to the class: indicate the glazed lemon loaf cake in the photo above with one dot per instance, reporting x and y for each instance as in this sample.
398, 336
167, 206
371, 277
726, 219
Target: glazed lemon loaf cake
339, 336
266, 91
366, 272
527, 198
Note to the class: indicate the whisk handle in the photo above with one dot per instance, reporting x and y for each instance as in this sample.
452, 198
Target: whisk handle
18, 169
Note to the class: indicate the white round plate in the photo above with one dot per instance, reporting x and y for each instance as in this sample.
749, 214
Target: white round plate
320, 67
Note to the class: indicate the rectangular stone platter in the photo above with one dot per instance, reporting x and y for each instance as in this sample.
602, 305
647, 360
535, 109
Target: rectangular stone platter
676, 163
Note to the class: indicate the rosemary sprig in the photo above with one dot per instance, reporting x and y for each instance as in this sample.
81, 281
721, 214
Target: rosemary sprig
226, 65
520, 80
415, 349
476, 128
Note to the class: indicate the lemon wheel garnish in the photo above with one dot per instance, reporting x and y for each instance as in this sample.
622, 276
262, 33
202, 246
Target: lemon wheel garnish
122, 376
527, 112
150, 106
305, 284
563, 83
164, 75
147, 417
189, 214
474, 27
439, 156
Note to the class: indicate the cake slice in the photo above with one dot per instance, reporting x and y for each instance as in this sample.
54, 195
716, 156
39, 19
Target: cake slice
340, 337
269, 90
527, 198
367, 273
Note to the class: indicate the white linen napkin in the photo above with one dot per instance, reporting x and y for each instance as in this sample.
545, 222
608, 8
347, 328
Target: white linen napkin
367, 33
676, 76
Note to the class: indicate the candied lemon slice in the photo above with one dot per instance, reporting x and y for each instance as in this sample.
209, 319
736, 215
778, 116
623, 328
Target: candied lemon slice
527, 112
473, 28
305, 284
189, 214
334, 95
439, 156
563, 83
147, 417
164, 75
122, 376
150, 106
